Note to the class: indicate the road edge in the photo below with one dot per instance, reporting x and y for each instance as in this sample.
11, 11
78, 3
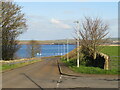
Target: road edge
62, 72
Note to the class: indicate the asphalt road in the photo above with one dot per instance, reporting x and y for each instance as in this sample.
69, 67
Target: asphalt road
45, 74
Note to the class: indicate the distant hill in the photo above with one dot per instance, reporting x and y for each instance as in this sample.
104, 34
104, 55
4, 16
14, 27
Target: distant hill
115, 39
63, 41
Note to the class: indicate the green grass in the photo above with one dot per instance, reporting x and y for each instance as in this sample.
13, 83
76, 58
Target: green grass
114, 63
89, 70
110, 50
93, 70
5, 67
8, 66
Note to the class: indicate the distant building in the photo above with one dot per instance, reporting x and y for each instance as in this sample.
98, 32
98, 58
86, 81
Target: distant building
116, 42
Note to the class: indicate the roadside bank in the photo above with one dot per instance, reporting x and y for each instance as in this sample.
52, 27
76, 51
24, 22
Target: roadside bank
65, 70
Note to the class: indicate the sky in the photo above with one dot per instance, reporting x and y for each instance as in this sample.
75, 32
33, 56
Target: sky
65, 0
55, 20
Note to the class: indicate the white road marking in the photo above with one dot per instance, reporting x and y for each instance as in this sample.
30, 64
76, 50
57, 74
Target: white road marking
58, 83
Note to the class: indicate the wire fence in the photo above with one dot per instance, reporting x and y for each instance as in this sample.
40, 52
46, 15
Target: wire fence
114, 62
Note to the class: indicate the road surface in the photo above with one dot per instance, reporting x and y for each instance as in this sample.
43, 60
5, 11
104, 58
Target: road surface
45, 74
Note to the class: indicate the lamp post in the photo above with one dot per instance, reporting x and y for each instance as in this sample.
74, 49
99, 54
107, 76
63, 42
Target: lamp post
61, 51
78, 55
58, 50
67, 51
64, 50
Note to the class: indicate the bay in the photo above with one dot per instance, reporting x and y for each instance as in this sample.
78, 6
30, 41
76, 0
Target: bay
46, 50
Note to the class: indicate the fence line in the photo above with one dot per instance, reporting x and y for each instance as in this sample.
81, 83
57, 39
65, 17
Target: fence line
12, 62
114, 62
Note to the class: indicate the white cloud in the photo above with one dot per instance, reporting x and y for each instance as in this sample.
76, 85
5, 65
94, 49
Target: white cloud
43, 28
60, 24
55, 21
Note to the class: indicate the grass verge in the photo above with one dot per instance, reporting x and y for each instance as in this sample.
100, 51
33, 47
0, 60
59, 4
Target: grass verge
13, 66
112, 51
90, 70
93, 70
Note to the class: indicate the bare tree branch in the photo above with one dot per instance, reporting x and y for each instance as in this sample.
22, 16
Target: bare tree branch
92, 33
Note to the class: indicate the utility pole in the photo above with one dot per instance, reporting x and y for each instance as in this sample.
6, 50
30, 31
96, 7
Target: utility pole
61, 51
64, 50
78, 55
67, 51
58, 49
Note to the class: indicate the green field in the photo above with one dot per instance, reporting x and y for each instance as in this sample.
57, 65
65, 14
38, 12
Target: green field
112, 51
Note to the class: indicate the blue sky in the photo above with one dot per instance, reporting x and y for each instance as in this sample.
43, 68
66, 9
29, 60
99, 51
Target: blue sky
54, 20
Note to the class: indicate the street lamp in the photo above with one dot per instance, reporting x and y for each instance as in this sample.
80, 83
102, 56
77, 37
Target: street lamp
61, 52
67, 51
58, 49
64, 50
78, 60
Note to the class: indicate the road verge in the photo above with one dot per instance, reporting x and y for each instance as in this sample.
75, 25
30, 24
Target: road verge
65, 70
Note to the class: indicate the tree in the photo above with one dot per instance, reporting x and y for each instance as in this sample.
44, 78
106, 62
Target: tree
33, 48
13, 24
0, 32
92, 34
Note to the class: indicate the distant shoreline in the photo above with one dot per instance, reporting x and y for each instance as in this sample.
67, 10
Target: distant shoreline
50, 42
114, 42
71, 44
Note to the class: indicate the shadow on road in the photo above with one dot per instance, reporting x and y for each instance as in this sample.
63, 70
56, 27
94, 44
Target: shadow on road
110, 79
32, 81
70, 75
